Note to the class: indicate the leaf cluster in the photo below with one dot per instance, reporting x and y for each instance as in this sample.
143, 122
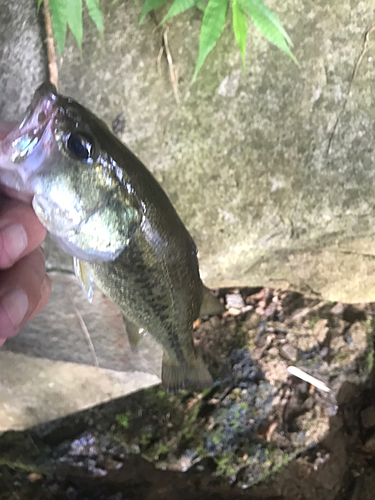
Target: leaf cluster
214, 16
215, 12
66, 13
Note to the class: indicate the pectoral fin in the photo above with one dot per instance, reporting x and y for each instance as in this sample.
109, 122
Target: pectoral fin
84, 277
210, 304
134, 332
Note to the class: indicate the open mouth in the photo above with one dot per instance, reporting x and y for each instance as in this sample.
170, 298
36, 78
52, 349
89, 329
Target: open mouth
26, 136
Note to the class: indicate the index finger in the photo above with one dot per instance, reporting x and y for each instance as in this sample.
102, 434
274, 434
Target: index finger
20, 231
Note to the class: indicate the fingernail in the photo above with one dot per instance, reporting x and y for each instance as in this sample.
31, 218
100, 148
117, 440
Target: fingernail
15, 305
15, 240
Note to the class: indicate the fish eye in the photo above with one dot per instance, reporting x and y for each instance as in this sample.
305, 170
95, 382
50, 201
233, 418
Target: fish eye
80, 146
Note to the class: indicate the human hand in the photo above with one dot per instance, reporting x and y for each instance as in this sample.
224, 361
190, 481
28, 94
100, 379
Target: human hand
24, 285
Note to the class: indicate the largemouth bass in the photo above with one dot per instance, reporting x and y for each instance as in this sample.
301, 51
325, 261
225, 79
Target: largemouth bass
101, 205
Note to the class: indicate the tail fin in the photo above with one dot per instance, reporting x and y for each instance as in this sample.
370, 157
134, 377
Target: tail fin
177, 376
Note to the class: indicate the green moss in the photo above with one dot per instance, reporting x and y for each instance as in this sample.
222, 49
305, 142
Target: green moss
17, 464
370, 360
216, 439
164, 448
274, 465
241, 339
226, 464
235, 395
368, 325
123, 419
312, 320
131, 448
366, 364
145, 437
189, 429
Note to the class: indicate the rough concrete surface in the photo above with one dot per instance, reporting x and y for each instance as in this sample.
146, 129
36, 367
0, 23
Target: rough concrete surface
37, 390
271, 169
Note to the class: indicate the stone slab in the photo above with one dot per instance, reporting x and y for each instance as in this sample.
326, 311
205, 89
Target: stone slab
35, 390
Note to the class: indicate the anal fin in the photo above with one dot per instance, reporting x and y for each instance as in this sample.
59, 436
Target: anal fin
134, 332
210, 304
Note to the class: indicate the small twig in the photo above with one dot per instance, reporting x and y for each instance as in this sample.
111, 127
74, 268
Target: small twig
160, 55
271, 429
51, 54
172, 71
269, 340
296, 372
88, 338
347, 95
307, 310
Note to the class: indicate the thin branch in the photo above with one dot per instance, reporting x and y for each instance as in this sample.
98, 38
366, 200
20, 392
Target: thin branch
88, 338
172, 71
51, 53
347, 95
160, 55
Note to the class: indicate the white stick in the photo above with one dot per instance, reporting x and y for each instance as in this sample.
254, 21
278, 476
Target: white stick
293, 370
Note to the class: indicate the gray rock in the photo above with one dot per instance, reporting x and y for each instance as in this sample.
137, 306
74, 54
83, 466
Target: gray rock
22, 57
35, 390
288, 352
273, 352
320, 330
234, 300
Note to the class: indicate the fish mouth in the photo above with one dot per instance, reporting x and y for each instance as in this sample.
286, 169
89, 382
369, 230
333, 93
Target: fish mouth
34, 123
25, 147
26, 136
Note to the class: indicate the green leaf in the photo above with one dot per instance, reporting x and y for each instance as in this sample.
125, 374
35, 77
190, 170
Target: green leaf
75, 19
148, 6
96, 14
59, 22
39, 4
240, 29
268, 23
273, 17
212, 27
177, 7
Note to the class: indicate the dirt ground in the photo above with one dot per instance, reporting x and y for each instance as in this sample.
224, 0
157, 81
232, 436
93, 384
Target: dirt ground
264, 430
